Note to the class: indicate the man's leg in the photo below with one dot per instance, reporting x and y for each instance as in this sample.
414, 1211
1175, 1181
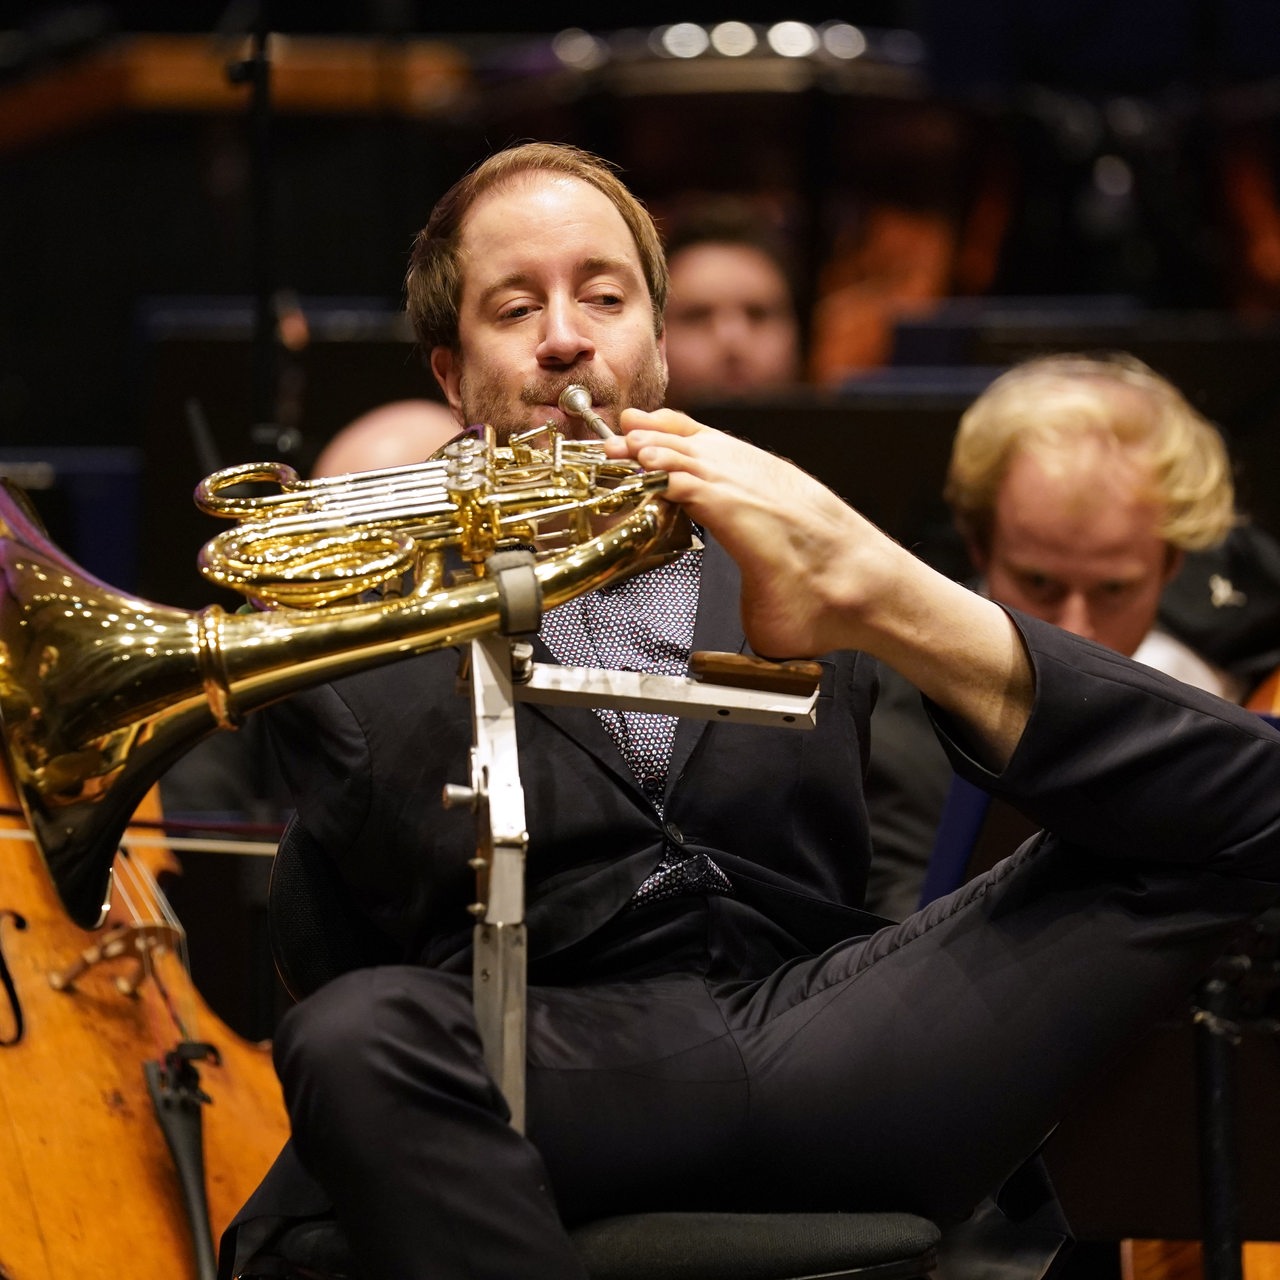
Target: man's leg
919, 1067
394, 1114
915, 1069
636, 1094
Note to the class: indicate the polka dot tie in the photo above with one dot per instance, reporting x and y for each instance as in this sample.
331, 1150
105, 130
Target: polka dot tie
644, 623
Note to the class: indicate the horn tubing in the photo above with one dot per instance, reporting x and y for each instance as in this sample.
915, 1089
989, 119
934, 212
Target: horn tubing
101, 692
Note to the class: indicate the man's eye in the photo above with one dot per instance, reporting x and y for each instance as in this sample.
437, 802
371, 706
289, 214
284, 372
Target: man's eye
516, 312
691, 315
1038, 585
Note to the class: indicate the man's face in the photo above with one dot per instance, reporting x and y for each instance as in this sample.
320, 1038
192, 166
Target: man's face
730, 324
553, 294
1073, 541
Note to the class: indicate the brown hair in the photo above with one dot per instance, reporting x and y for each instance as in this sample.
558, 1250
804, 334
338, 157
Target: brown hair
433, 286
732, 220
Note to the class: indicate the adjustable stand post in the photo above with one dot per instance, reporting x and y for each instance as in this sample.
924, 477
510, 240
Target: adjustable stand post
501, 959
1216, 1036
255, 71
1237, 997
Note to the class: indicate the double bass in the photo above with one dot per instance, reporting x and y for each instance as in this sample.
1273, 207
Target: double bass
133, 1122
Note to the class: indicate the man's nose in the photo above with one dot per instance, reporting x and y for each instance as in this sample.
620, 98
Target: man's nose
731, 329
1074, 615
565, 335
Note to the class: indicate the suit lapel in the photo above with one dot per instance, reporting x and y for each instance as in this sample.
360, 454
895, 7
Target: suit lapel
718, 628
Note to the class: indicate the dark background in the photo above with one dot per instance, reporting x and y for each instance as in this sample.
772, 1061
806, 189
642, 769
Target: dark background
137, 246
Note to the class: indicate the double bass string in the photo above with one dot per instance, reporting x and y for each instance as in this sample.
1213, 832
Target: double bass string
193, 844
144, 902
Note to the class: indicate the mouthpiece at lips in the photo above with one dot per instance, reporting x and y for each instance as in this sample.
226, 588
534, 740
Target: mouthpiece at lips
577, 401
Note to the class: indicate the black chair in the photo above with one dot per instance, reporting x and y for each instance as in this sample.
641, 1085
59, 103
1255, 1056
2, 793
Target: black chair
682, 1246
315, 936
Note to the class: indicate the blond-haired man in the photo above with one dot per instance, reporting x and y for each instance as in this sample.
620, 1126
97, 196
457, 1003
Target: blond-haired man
1078, 484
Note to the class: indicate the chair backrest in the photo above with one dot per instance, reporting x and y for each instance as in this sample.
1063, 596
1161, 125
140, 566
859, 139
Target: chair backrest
315, 935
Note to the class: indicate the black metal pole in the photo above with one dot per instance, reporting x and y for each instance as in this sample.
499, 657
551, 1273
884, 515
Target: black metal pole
1216, 1037
256, 72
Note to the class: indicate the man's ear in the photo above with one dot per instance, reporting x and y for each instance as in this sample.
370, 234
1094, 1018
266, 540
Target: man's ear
1175, 558
979, 554
447, 367
662, 350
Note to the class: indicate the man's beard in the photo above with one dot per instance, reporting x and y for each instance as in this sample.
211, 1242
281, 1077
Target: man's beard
493, 405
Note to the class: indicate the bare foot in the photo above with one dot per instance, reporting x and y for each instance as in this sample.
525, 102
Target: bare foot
817, 576
800, 548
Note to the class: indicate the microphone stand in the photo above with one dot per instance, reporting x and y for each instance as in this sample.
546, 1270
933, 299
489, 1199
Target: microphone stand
255, 71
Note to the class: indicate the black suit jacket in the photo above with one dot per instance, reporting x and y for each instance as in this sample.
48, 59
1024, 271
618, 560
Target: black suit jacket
780, 810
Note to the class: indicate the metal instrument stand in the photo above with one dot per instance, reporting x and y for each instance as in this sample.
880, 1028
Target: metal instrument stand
497, 799
502, 673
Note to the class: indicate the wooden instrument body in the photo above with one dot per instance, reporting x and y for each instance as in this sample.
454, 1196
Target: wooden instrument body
88, 1185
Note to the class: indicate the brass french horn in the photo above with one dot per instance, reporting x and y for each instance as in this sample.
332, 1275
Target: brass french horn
101, 692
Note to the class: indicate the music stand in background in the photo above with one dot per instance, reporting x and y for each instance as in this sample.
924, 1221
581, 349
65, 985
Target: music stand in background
89, 500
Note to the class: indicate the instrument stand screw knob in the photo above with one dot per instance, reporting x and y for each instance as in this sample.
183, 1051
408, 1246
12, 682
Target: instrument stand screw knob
456, 796
521, 661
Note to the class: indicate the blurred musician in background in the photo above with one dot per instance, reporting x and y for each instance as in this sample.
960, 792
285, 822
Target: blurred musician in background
1079, 485
732, 325
390, 435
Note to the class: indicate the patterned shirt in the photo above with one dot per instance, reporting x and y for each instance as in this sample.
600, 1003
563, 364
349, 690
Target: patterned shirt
644, 623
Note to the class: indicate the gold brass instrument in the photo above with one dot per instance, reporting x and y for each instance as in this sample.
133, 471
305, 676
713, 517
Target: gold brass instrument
101, 692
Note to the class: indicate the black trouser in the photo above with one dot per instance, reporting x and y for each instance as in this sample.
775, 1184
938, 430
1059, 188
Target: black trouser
914, 1069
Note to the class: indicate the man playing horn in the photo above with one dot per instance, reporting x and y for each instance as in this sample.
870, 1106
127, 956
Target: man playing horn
714, 1023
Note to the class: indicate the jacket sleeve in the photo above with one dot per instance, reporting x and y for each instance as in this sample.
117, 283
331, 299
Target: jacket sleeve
1132, 763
